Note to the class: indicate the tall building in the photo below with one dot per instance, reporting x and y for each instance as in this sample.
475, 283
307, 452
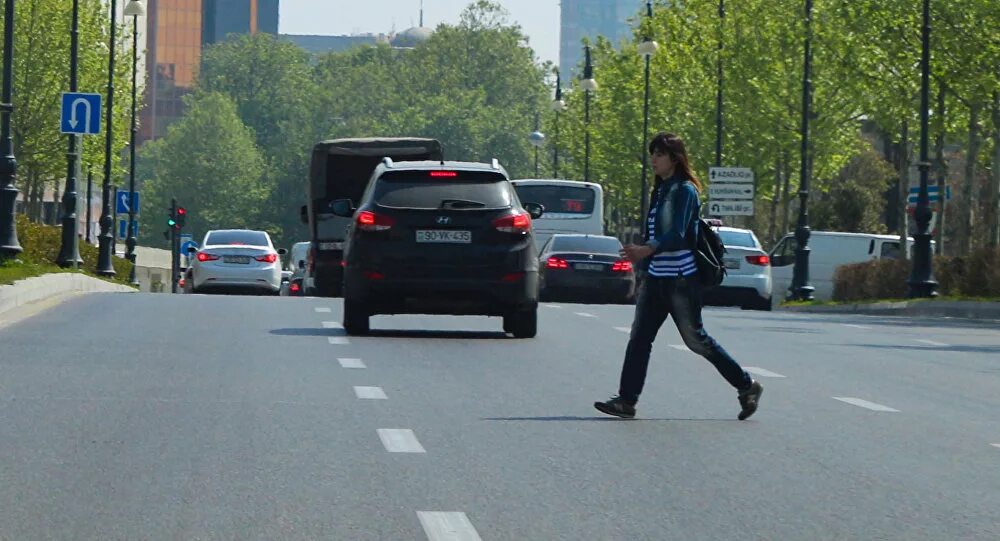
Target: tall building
588, 19
176, 33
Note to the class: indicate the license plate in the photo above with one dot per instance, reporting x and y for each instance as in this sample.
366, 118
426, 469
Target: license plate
455, 237
331, 246
589, 266
240, 259
732, 263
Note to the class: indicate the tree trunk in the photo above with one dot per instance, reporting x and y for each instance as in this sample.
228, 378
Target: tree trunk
942, 170
968, 183
785, 206
56, 207
904, 190
775, 200
995, 233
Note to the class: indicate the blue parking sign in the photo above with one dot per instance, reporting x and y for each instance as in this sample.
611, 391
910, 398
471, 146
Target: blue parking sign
122, 203
81, 113
123, 227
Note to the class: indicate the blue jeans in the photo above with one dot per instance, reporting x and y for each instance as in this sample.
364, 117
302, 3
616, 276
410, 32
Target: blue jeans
681, 299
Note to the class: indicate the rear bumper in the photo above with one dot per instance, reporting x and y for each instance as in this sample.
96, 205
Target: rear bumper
616, 287
267, 278
761, 283
466, 296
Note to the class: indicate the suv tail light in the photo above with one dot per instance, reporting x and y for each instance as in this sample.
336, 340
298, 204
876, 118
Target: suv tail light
556, 263
295, 287
369, 221
622, 266
267, 258
761, 260
203, 257
519, 222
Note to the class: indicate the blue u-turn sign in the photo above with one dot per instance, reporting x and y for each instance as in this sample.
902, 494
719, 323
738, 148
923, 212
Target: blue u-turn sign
81, 113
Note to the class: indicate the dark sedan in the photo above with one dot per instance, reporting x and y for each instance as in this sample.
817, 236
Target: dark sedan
585, 268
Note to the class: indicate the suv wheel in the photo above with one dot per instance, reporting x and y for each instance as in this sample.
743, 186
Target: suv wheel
355, 318
522, 324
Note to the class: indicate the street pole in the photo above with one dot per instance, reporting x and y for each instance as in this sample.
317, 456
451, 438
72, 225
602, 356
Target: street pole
718, 94
921, 282
536, 146
557, 105
69, 251
90, 199
175, 262
105, 266
588, 84
801, 289
130, 241
9, 246
647, 48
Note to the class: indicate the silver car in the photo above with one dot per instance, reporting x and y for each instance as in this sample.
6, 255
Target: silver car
748, 272
237, 259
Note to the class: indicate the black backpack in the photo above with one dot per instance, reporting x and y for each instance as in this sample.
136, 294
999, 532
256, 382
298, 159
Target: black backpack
708, 251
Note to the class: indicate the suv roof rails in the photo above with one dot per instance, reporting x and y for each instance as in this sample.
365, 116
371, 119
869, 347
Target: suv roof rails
387, 161
496, 164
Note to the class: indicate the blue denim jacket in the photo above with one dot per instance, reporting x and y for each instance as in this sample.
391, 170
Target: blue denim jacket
677, 205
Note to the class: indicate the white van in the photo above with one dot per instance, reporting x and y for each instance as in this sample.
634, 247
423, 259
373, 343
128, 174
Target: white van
570, 206
827, 251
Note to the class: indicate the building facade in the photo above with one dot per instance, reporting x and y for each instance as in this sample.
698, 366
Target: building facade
581, 19
225, 17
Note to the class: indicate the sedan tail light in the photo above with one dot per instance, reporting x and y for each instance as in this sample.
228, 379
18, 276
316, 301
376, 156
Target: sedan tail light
519, 222
267, 258
203, 257
295, 287
556, 263
622, 266
369, 221
761, 260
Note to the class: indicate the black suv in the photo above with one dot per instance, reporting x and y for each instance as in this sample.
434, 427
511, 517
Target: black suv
437, 237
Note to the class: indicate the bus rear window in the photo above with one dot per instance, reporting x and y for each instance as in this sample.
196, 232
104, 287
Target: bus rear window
559, 199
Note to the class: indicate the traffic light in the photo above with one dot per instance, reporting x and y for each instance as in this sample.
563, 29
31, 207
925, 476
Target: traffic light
181, 217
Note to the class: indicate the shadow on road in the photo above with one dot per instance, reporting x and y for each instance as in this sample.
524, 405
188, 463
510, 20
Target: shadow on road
458, 335
960, 349
309, 331
600, 419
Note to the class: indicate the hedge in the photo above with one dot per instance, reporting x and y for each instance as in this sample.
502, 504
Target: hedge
41, 245
977, 275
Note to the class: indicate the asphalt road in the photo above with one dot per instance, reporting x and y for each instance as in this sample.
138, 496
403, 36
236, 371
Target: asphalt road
131, 416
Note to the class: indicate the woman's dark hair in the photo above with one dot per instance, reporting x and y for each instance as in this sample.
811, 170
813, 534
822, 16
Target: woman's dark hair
673, 146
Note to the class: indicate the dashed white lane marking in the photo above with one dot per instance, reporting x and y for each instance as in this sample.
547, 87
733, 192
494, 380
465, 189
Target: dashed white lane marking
332, 325
400, 440
370, 393
932, 343
338, 340
761, 372
443, 526
680, 347
997, 445
624, 329
856, 326
552, 306
322, 310
584, 314
351, 363
865, 404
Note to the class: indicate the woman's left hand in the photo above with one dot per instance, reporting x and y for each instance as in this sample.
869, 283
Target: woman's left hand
635, 254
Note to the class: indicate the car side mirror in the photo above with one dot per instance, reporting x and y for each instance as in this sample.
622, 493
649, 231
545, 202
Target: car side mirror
282, 251
304, 214
342, 208
302, 264
535, 210
192, 250
780, 260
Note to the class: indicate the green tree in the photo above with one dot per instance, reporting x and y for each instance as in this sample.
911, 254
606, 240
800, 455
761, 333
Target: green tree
853, 201
220, 180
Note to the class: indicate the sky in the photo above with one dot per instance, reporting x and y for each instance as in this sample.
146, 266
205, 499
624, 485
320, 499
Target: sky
538, 18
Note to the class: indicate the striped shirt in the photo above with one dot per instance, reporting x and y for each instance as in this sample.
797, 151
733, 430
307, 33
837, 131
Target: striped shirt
667, 264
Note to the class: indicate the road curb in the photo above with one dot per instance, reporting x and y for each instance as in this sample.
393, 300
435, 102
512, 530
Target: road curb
47, 286
956, 309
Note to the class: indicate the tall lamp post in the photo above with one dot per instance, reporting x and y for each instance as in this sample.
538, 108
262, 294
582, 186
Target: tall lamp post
921, 282
718, 93
589, 85
134, 10
69, 252
537, 139
9, 246
105, 267
558, 106
647, 49
800, 288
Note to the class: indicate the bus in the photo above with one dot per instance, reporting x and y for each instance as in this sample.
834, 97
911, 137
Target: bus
341, 169
570, 206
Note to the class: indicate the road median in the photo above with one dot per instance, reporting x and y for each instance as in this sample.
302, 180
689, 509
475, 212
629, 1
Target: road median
932, 308
48, 286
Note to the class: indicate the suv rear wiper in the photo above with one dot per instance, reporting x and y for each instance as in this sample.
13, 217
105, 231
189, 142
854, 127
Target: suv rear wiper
461, 204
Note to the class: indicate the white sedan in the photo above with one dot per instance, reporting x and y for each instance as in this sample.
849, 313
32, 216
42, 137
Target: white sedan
237, 259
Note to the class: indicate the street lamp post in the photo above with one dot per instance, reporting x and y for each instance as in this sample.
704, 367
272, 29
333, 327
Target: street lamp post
69, 251
9, 246
800, 288
105, 266
558, 105
718, 94
589, 85
134, 10
921, 282
647, 49
537, 139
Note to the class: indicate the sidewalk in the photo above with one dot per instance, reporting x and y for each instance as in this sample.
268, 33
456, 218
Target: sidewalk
49, 286
958, 309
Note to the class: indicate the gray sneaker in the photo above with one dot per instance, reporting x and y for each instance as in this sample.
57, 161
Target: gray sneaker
617, 406
749, 399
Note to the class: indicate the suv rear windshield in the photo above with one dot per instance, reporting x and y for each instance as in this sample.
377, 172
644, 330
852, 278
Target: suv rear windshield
559, 199
248, 238
738, 238
593, 245
419, 192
